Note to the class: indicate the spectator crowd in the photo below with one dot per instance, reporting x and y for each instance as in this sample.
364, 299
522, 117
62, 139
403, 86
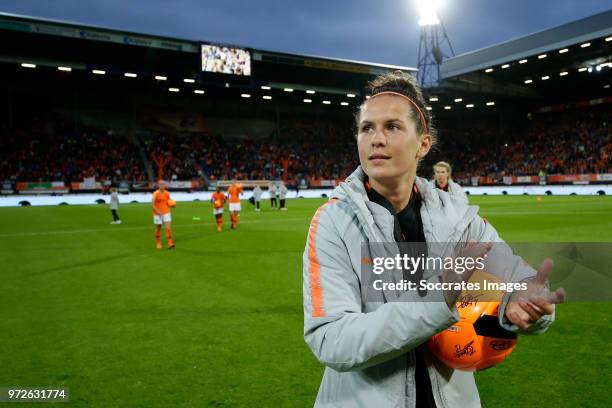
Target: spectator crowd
574, 142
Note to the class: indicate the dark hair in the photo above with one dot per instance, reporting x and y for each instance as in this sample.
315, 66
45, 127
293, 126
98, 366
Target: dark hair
404, 84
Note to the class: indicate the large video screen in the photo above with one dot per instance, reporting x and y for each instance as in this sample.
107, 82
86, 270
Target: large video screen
225, 60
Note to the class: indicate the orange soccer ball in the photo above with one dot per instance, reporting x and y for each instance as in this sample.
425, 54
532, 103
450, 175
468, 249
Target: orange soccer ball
171, 203
476, 341
218, 204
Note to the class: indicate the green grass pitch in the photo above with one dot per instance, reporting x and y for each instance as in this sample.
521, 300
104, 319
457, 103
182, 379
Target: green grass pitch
218, 321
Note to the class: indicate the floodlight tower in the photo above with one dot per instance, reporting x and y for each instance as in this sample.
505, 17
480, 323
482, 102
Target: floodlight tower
432, 44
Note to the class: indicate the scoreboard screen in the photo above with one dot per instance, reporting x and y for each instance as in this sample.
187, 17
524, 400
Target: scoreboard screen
225, 60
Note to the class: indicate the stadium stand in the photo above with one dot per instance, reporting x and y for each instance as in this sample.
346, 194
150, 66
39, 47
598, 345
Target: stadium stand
50, 151
570, 143
576, 142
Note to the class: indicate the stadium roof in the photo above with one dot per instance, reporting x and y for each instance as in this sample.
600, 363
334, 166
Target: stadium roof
61, 65
29, 24
580, 31
569, 65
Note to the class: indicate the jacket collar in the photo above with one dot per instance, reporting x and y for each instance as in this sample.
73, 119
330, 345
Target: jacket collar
354, 187
443, 218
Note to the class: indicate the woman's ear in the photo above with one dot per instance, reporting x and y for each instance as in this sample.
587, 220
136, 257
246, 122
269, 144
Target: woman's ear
424, 146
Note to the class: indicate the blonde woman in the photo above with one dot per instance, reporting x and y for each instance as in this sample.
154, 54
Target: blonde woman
443, 181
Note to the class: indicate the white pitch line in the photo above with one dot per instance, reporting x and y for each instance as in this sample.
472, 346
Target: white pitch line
118, 229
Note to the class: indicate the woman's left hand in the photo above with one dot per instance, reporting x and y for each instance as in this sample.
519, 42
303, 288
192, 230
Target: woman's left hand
526, 307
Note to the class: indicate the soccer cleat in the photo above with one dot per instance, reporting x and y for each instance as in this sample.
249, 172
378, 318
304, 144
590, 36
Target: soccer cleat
218, 228
118, 222
159, 245
283, 209
171, 245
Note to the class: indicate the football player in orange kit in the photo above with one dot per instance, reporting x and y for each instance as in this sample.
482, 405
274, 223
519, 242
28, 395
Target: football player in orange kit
161, 214
218, 199
234, 192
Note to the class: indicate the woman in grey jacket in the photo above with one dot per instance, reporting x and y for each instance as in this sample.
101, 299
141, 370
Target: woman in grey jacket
371, 345
442, 180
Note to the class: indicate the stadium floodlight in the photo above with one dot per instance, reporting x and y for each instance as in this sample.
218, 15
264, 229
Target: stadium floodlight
173, 89
267, 97
161, 78
65, 69
606, 86
564, 73
189, 80
608, 39
447, 107
27, 65
245, 95
528, 81
310, 91
428, 12
307, 100
563, 51
587, 44
198, 91
433, 99
590, 69
598, 68
458, 99
265, 87
98, 72
582, 69
542, 56
434, 44
505, 66
350, 95
523, 61
288, 89
428, 108
488, 70
545, 77
469, 105
490, 103
130, 75
344, 103
326, 103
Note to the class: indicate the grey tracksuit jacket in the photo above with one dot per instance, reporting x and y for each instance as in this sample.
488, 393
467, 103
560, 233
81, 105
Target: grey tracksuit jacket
282, 191
454, 189
367, 346
257, 193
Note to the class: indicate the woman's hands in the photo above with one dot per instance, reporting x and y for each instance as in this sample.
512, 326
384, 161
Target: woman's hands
526, 307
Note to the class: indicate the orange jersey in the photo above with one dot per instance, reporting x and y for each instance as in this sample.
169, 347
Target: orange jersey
160, 200
234, 193
218, 199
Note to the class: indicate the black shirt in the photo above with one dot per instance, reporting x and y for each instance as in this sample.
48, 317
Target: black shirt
408, 227
445, 187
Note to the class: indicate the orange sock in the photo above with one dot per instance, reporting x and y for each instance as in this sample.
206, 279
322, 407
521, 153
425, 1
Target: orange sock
219, 222
169, 236
158, 237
